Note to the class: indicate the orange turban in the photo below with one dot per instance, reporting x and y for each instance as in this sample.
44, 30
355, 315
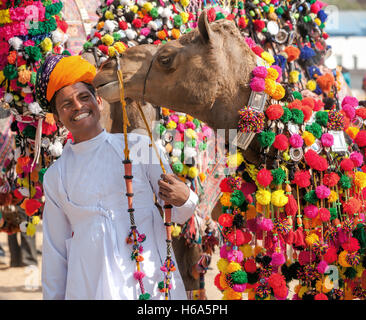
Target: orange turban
68, 71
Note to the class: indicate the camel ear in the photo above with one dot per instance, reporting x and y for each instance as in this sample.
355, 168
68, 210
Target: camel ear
204, 27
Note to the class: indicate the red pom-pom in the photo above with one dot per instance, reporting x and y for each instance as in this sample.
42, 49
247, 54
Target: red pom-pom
331, 255
257, 50
280, 292
236, 237
259, 25
351, 245
123, 25
224, 185
276, 280
217, 282
308, 102
324, 214
361, 112
331, 179
230, 17
320, 296
291, 206
347, 165
103, 48
307, 111
264, 177
274, 112
98, 35
242, 23
360, 139
296, 104
247, 237
281, 142
137, 23
315, 161
250, 266
352, 206
302, 178
211, 15
318, 105
226, 220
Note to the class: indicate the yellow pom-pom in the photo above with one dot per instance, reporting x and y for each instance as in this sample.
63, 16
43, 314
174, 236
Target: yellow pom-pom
225, 199
107, 40
222, 264
223, 283
192, 172
184, 3
185, 170
342, 259
311, 239
109, 15
263, 197
360, 179
272, 74
302, 291
185, 16
279, 92
120, 47
134, 9
311, 85
247, 250
31, 229
2, 77
318, 21
235, 160
190, 133
308, 137
176, 231
161, 35
279, 199
46, 45
36, 220
148, 6
267, 57
232, 267
230, 294
333, 196
286, 156
171, 125
175, 33
182, 119
352, 132
270, 86
111, 51
294, 76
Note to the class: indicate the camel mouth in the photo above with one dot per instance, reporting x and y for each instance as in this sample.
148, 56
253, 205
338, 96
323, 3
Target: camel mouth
107, 85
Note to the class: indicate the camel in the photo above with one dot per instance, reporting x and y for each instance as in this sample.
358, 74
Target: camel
205, 73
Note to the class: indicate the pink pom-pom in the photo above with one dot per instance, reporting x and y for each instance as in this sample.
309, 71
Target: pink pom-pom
352, 101
138, 275
279, 70
235, 255
207, 131
357, 158
349, 111
260, 72
322, 267
266, 224
324, 214
190, 125
278, 259
223, 252
296, 141
311, 211
174, 117
145, 31
327, 140
257, 84
322, 192
164, 269
181, 127
239, 287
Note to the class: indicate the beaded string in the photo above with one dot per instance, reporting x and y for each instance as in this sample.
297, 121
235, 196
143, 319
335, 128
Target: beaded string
134, 237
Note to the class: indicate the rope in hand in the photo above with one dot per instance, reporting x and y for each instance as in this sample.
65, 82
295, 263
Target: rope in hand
168, 264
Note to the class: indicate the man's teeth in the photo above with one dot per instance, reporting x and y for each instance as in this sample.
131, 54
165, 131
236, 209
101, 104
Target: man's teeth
81, 116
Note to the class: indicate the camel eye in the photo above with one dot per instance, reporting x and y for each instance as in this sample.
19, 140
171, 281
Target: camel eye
165, 60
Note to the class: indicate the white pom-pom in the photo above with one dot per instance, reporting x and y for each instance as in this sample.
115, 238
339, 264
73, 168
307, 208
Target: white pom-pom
189, 152
16, 43
103, 59
177, 153
34, 108
55, 148
45, 142
110, 25
57, 36
122, 33
141, 2
152, 25
131, 34
23, 226
8, 97
125, 2
166, 13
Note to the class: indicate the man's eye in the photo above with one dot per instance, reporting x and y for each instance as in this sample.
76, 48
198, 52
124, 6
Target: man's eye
84, 98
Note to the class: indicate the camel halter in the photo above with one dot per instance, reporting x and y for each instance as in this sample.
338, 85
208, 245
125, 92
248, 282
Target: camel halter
134, 236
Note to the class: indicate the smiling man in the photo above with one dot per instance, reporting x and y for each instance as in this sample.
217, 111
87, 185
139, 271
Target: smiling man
85, 218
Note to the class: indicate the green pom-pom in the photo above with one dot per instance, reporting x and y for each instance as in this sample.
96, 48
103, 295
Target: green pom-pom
279, 11
315, 129
279, 176
41, 174
333, 213
10, 72
29, 132
178, 21
237, 198
161, 285
321, 117
202, 146
66, 53
33, 77
179, 145
350, 273
287, 115
196, 122
266, 138
144, 296
345, 182
219, 15
297, 116
360, 234
177, 167
265, 9
87, 45
116, 36
53, 9
34, 53
311, 197
192, 143
154, 13
297, 95
160, 129
239, 277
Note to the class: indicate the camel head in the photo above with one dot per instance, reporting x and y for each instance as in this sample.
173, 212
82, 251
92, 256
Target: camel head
201, 71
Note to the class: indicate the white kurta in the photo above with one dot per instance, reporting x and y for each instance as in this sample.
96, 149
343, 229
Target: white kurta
85, 222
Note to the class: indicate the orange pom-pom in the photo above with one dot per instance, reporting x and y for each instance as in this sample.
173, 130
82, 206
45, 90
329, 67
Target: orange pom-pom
325, 82
292, 53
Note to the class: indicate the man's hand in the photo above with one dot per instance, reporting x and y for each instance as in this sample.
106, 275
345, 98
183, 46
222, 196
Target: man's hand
172, 190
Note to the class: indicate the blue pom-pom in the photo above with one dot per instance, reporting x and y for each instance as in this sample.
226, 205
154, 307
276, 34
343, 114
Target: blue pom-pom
280, 61
322, 16
318, 91
314, 70
307, 53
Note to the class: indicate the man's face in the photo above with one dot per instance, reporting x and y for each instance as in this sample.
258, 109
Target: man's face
78, 110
